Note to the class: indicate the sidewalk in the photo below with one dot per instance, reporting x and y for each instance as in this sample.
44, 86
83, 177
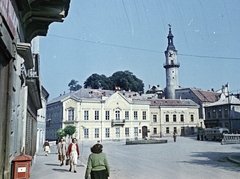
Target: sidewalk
45, 167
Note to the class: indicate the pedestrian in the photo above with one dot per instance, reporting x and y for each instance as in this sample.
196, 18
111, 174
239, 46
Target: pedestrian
46, 147
174, 136
61, 148
97, 166
57, 140
73, 154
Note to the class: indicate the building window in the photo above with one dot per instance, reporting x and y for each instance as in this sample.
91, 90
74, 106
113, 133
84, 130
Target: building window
226, 113
96, 132
86, 134
192, 117
154, 118
107, 132
220, 113
144, 115
154, 130
96, 115
107, 115
71, 114
174, 118
135, 131
214, 113
135, 115
85, 115
126, 115
167, 130
182, 118
175, 129
117, 132
167, 118
117, 115
208, 114
226, 124
126, 132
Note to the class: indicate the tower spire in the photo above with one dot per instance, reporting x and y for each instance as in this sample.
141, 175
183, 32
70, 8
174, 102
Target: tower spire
170, 39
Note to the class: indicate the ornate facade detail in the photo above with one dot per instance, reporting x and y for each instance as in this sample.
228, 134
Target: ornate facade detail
37, 15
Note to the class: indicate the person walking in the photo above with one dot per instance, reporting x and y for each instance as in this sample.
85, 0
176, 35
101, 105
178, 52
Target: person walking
97, 166
61, 148
174, 136
46, 147
73, 154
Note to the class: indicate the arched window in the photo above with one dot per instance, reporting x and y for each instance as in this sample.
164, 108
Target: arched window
117, 115
70, 114
174, 118
182, 118
167, 118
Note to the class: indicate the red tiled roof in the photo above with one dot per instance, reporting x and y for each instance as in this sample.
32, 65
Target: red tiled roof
206, 96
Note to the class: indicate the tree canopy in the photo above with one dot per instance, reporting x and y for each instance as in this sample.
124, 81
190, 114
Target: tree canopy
70, 130
60, 133
124, 79
96, 81
74, 86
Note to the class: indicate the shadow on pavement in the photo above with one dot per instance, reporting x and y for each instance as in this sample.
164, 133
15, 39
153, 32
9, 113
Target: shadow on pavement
214, 159
60, 170
52, 164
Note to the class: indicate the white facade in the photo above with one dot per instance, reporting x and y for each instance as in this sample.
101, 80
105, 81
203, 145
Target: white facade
120, 115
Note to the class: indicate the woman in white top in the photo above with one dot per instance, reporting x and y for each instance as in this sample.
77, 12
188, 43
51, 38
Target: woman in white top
73, 153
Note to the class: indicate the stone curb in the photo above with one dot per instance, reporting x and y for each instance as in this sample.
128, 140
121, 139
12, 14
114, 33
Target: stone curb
234, 158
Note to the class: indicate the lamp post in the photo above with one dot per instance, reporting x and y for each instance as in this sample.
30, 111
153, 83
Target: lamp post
82, 138
160, 121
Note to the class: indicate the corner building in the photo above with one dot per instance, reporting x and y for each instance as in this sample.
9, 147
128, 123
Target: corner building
20, 84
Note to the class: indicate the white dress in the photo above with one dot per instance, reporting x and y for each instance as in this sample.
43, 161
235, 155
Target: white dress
73, 154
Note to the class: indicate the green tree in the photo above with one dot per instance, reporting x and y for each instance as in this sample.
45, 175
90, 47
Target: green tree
74, 86
124, 79
127, 81
60, 133
70, 130
96, 81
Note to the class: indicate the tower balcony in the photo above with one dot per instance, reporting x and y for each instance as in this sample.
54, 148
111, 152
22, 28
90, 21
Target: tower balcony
118, 122
172, 65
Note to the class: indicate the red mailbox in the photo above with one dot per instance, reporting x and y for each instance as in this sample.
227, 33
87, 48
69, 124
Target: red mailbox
22, 164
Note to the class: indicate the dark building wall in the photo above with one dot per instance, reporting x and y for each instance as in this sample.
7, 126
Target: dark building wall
19, 100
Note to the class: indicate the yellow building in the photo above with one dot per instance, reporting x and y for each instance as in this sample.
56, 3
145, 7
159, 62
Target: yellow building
116, 115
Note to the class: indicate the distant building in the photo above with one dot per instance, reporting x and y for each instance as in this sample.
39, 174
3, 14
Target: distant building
112, 115
41, 120
174, 116
225, 112
201, 97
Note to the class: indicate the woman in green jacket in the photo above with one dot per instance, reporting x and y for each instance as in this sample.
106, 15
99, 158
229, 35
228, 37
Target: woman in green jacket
97, 165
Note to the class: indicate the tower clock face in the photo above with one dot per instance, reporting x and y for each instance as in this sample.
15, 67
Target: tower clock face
171, 54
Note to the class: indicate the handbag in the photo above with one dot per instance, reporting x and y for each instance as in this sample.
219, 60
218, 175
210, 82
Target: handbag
67, 161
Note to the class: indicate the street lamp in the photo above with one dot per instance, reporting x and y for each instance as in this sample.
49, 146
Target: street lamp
160, 121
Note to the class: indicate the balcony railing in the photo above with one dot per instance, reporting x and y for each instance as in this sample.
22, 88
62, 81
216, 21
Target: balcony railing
165, 65
118, 122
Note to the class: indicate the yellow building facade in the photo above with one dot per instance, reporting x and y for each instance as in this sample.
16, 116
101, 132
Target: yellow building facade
117, 115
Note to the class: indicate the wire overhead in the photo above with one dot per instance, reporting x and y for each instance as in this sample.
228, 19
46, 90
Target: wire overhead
141, 49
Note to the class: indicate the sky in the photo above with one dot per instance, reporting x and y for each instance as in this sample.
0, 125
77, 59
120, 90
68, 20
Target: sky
106, 36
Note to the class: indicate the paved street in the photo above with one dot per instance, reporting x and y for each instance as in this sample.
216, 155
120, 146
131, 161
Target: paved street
185, 159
